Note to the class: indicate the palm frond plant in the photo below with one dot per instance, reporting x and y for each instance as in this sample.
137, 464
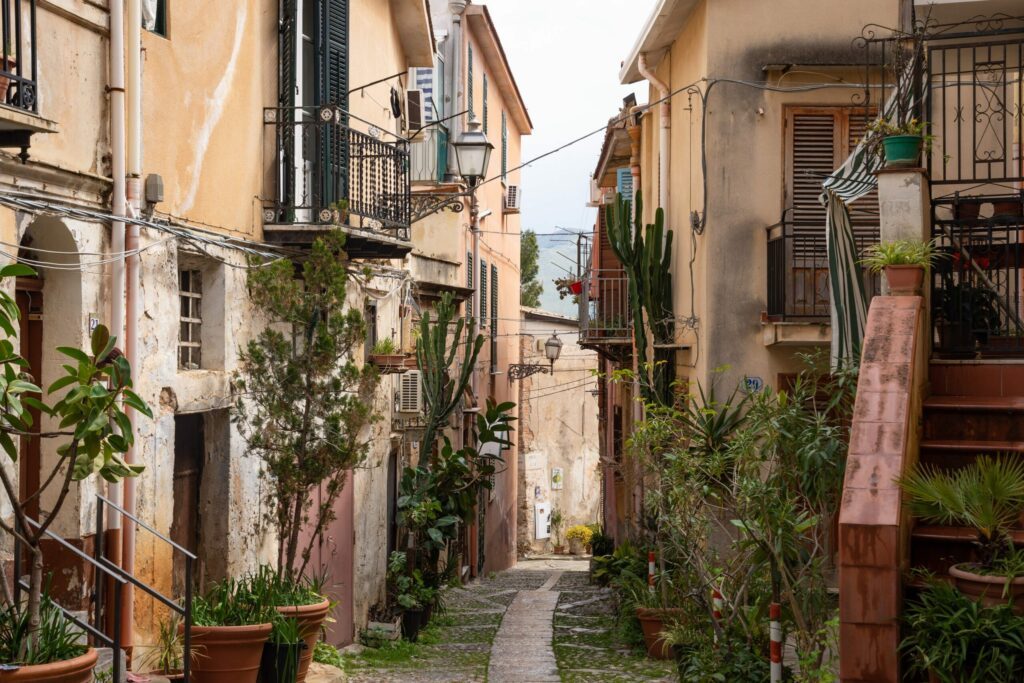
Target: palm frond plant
901, 253
987, 495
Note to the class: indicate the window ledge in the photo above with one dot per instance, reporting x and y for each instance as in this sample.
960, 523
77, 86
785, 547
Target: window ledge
796, 333
14, 119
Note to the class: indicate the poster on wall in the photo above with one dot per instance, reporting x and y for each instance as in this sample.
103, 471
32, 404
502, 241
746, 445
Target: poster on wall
557, 478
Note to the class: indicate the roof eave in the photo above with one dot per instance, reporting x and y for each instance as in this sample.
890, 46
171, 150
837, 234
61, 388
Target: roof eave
415, 30
658, 34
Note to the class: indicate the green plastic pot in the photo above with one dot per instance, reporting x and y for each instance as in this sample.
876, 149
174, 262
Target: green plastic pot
902, 150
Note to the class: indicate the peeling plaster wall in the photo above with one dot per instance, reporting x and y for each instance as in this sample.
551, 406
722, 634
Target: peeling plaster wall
559, 429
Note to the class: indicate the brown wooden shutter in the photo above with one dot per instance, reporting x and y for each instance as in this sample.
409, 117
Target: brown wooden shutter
813, 156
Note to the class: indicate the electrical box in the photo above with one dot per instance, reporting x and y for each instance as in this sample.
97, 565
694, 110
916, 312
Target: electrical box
542, 520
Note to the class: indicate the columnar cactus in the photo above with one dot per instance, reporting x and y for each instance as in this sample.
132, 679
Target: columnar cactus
646, 255
434, 357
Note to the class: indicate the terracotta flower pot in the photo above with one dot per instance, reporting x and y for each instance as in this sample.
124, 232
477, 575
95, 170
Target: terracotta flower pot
904, 280
309, 618
227, 654
988, 590
77, 670
652, 623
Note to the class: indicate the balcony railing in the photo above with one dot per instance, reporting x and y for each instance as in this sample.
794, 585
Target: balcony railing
977, 300
18, 68
975, 91
605, 314
329, 173
798, 288
428, 153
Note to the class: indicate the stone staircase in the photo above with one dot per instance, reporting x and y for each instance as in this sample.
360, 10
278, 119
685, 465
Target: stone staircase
974, 408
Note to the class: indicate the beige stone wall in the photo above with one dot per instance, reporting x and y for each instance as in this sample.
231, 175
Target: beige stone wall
559, 429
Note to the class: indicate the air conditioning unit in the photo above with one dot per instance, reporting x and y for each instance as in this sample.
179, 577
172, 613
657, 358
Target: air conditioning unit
513, 198
410, 393
413, 110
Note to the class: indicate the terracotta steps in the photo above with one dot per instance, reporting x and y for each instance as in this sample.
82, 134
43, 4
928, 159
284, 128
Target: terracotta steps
975, 409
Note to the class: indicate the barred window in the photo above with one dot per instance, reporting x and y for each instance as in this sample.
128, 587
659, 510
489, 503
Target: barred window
190, 293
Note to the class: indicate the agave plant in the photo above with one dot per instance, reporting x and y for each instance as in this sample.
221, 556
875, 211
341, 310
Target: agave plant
987, 495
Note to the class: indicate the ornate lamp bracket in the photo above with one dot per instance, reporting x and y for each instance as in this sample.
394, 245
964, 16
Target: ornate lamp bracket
524, 370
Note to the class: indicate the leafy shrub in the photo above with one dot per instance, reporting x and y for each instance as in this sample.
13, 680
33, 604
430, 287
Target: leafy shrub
325, 653
232, 603
960, 641
580, 533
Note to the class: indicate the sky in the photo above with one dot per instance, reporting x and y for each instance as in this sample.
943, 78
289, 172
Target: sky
565, 55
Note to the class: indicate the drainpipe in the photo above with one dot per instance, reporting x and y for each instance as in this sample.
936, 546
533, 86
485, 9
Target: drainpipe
457, 7
117, 233
664, 146
134, 171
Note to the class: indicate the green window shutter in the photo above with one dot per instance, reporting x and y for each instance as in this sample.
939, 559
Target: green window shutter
469, 269
332, 38
483, 293
504, 146
334, 51
494, 318
485, 104
624, 186
469, 82
286, 83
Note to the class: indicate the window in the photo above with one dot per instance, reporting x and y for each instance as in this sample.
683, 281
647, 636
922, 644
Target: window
494, 318
190, 293
483, 294
154, 16
469, 82
469, 269
485, 104
504, 146
370, 317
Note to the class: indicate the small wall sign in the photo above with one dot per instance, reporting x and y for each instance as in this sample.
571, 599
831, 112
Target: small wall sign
753, 385
93, 323
557, 478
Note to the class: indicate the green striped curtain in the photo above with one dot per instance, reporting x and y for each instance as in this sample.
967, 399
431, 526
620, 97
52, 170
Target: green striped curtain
849, 305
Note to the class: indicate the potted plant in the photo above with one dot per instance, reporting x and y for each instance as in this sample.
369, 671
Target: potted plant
164, 658
950, 637
556, 521
965, 313
94, 432
900, 143
988, 496
387, 358
579, 537
60, 657
298, 599
283, 652
229, 629
904, 262
411, 594
655, 619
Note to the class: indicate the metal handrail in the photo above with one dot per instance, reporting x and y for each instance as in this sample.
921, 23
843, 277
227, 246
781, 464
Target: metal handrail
113, 641
184, 608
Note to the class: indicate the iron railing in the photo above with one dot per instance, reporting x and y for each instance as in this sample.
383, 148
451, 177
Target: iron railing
974, 95
428, 154
798, 287
18, 66
605, 313
977, 302
327, 172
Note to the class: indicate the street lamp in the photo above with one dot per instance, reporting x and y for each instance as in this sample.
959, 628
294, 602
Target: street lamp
552, 349
472, 154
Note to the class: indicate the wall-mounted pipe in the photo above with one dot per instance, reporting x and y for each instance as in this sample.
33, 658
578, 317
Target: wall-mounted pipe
664, 134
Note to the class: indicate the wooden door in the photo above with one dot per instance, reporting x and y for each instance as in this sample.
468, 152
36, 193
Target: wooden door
29, 296
189, 450
333, 553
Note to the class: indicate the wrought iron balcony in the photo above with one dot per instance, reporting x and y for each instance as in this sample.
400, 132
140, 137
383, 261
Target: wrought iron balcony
327, 175
798, 288
18, 69
606, 317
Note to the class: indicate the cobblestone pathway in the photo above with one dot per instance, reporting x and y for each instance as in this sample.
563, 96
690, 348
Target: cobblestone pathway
500, 630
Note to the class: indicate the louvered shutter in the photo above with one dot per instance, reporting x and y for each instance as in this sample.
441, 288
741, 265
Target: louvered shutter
469, 269
814, 156
485, 104
504, 145
469, 82
864, 211
624, 186
494, 318
483, 293
288, 37
333, 85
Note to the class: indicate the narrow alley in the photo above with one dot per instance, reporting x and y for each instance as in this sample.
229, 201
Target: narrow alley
540, 621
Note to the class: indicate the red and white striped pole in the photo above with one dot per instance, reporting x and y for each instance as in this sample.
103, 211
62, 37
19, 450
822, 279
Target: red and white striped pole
775, 633
650, 571
717, 602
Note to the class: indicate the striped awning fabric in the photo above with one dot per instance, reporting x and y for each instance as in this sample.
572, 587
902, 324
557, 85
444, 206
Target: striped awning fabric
849, 306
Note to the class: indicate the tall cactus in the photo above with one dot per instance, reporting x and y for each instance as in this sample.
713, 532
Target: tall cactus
646, 256
435, 357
